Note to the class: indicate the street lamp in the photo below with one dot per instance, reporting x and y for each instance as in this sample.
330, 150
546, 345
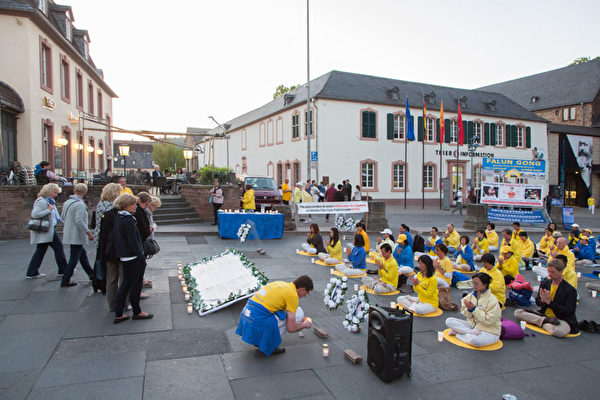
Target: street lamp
124, 152
188, 154
225, 129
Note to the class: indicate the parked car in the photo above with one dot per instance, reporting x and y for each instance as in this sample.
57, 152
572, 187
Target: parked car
265, 191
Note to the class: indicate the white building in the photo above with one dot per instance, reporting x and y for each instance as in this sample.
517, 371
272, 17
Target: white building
48, 82
359, 133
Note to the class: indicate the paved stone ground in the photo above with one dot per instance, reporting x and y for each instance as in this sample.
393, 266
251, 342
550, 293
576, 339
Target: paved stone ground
61, 343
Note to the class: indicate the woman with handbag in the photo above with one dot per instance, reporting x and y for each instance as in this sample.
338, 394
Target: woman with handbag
45, 217
109, 193
143, 224
216, 198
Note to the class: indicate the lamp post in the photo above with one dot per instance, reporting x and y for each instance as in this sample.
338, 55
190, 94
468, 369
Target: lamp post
188, 154
225, 128
124, 152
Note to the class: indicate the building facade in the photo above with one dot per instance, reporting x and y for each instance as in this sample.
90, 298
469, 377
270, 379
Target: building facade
359, 128
569, 98
65, 103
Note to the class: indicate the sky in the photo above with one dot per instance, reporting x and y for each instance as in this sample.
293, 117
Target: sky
175, 63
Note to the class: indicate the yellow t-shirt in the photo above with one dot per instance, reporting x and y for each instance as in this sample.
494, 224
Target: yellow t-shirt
446, 264
248, 200
549, 312
287, 196
278, 296
591, 201
453, 239
545, 243
509, 267
492, 238
389, 272
427, 290
515, 234
367, 245
126, 190
335, 251
527, 248
515, 246
297, 195
483, 246
497, 285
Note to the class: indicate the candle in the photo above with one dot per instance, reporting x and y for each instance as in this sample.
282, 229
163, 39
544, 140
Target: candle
184, 288
539, 278
594, 293
297, 251
186, 296
325, 350
343, 237
523, 324
178, 264
356, 287
392, 305
579, 274
440, 336
182, 282
179, 276
312, 260
331, 271
190, 308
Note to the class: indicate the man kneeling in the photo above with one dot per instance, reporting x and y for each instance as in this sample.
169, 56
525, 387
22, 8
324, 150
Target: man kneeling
260, 321
558, 301
388, 272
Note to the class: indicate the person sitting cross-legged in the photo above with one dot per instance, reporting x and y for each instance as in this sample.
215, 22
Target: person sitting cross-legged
429, 245
426, 286
334, 249
388, 272
357, 256
491, 236
507, 264
483, 326
497, 286
443, 266
546, 241
272, 311
480, 245
557, 300
464, 255
451, 238
404, 255
527, 247
509, 240
584, 253
314, 241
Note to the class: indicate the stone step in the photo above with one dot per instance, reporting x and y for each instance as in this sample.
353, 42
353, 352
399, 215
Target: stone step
171, 209
174, 221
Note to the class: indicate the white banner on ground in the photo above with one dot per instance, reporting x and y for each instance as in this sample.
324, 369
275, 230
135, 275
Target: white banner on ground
512, 194
341, 207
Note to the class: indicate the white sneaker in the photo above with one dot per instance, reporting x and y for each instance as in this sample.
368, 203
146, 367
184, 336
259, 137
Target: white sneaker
35, 276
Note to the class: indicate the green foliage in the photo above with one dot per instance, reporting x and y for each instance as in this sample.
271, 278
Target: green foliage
165, 155
581, 60
282, 89
207, 175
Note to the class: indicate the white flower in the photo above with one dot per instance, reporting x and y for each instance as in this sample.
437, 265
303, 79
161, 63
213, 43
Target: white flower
332, 280
361, 298
361, 292
325, 292
331, 304
344, 279
366, 306
345, 323
349, 328
354, 328
329, 286
344, 286
355, 320
348, 317
359, 315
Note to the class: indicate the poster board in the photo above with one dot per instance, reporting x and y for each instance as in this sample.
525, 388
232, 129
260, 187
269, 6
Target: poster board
512, 194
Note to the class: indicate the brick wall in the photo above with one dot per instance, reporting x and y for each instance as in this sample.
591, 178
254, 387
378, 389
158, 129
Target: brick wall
552, 159
16, 203
554, 115
198, 196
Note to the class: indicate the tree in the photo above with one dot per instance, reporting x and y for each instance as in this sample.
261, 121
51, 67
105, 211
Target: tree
581, 60
165, 155
282, 89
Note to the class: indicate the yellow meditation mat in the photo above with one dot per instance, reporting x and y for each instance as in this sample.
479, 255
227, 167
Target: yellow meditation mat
304, 253
435, 313
370, 291
545, 332
339, 273
454, 340
321, 262
465, 272
371, 261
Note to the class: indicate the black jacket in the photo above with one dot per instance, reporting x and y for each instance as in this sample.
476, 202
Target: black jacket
105, 241
564, 303
143, 223
317, 242
126, 237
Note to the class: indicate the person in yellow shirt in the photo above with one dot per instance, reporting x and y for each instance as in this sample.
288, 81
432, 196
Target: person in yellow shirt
451, 238
546, 241
388, 237
562, 247
286, 192
360, 229
297, 199
515, 245
248, 203
591, 204
491, 236
443, 266
527, 247
272, 311
497, 285
516, 230
307, 198
334, 248
480, 245
388, 273
569, 274
426, 286
507, 264
124, 188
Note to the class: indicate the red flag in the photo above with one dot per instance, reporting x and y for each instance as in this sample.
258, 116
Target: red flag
461, 131
442, 126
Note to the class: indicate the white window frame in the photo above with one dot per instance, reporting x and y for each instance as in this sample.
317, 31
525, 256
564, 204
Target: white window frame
367, 175
477, 131
430, 136
453, 131
68, 29
565, 115
399, 127
45, 69
43, 6
45, 142
499, 135
572, 113
477, 175
428, 176
398, 183
520, 138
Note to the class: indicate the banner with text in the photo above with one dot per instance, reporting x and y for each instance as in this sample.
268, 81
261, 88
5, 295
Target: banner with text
512, 194
524, 217
524, 167
341, 207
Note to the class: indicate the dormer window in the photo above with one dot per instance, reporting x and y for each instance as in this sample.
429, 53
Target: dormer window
430, 98
43, 6
463, 101
491, 105
68, 29
85, 49
394, 93
288, 98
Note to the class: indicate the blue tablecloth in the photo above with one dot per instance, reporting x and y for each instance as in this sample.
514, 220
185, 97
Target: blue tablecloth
268, 226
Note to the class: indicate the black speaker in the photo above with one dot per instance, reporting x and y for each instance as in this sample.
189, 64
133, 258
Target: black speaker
389, 345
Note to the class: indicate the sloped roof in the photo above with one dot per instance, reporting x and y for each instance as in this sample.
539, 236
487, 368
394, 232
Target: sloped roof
560, 87
338, 85
574, 129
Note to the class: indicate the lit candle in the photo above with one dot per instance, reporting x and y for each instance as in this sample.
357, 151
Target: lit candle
523, 325
297, 251
184, 288
343, 237
186, 296
440, 336
331, 271
539, 278
540, 265
182, 282
325, 350
312, 260
190, 308
356, 287
594, 293
393, 305
179, 276
579, 274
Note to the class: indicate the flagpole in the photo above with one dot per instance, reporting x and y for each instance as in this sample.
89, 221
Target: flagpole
423, 157
442, 135
405, 169
440, 183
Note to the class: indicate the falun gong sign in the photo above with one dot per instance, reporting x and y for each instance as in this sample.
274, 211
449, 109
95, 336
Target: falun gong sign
523, 167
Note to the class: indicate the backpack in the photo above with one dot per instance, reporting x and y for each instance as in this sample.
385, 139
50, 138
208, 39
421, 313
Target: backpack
511, 330
521, 297
418, 244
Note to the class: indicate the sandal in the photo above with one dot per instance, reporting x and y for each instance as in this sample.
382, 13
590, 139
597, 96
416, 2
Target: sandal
147, 285
120, 319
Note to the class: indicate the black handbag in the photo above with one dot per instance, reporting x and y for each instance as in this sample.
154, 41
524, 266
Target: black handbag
39, 224
150, 247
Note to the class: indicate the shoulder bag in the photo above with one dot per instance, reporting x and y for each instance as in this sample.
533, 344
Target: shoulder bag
151, 247
39, 224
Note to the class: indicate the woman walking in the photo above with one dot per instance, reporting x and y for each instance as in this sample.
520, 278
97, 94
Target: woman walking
45, 207
109, 193
216, 194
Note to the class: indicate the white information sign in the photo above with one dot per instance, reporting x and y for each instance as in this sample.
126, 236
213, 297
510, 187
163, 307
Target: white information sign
338, 207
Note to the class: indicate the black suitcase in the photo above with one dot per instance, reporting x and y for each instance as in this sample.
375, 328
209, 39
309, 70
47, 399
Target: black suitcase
389, 345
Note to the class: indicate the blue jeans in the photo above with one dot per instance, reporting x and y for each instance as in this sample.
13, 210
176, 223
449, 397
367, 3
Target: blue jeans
78, 254
40, 251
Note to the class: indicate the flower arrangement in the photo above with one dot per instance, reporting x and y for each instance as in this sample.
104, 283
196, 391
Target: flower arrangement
334, 292
243, 232
358, 308
345, 224
221, 279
